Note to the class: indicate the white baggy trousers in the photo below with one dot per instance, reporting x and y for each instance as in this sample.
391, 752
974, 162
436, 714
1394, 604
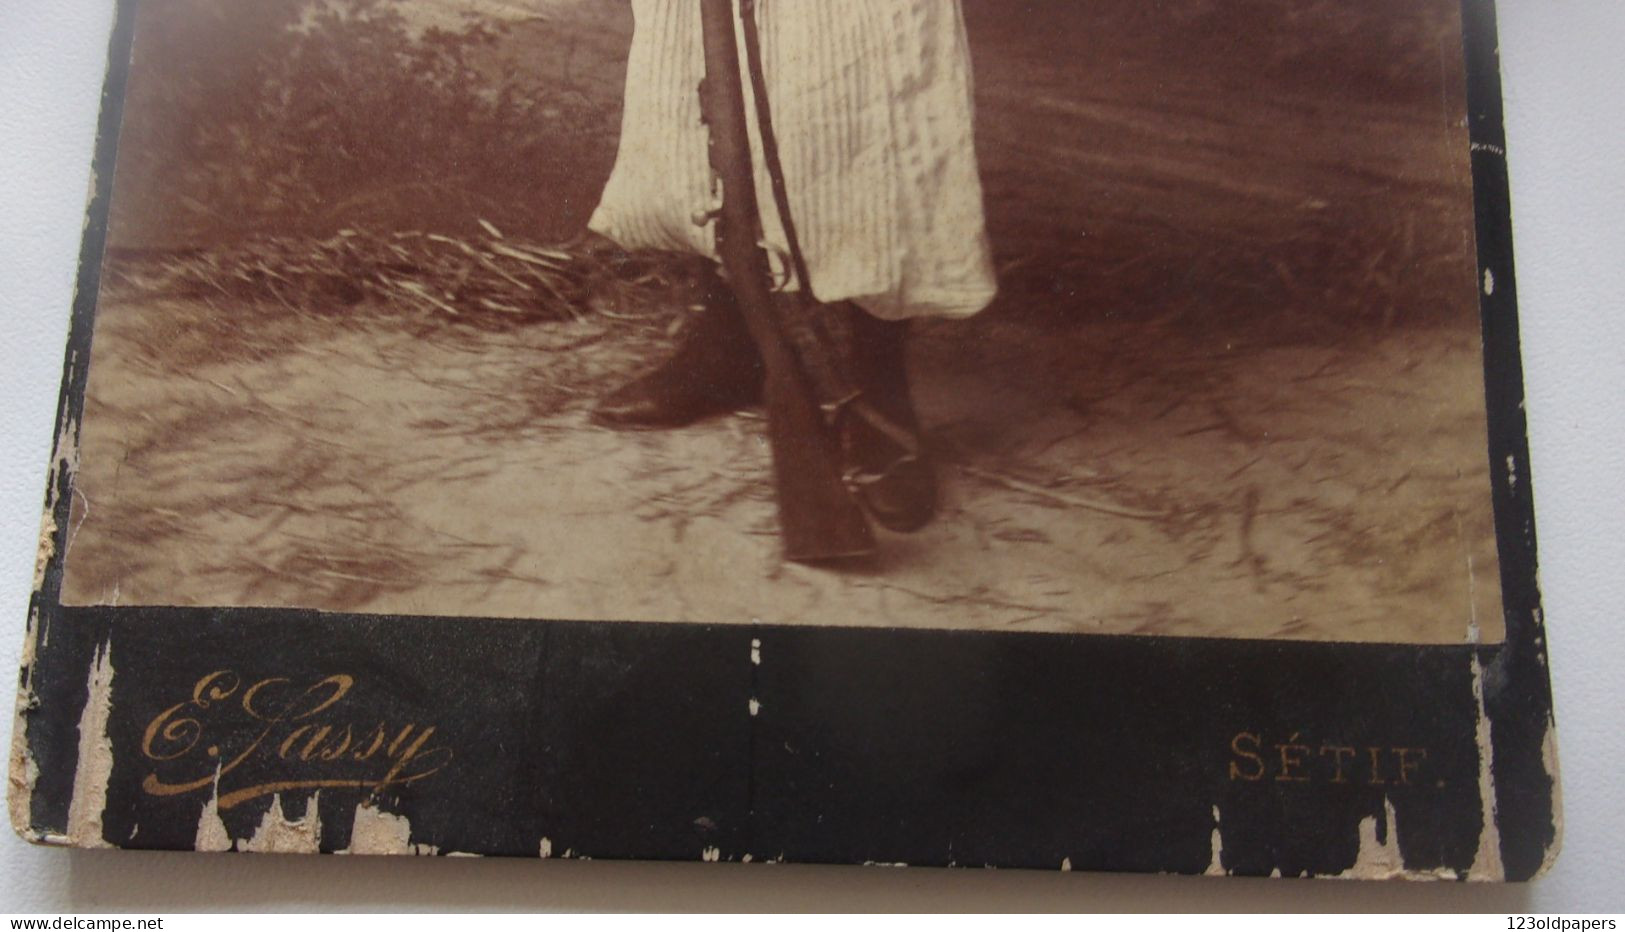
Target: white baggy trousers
871, 104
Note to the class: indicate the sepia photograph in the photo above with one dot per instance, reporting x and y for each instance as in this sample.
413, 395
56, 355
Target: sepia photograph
1115, 317
956, 433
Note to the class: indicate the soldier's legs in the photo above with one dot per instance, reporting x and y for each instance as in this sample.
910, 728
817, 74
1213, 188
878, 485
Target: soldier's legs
714, 369
897, 485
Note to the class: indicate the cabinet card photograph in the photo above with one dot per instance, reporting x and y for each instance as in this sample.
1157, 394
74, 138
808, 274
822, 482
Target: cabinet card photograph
944, 432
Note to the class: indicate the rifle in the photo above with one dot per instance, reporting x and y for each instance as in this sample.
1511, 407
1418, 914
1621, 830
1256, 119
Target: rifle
819, 518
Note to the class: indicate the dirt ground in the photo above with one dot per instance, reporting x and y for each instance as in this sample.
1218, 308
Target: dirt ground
1124, 480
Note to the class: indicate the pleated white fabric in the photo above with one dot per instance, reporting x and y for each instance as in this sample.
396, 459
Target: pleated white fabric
871, 103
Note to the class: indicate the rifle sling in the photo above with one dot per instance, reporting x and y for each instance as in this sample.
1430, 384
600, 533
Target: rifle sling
820, 353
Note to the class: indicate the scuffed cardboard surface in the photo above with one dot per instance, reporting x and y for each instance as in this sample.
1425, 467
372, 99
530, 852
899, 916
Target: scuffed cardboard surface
1487, 862
1548, 754
278, 834
22, 772
47, 549
755, 665
378, 832
95, 767
212, 834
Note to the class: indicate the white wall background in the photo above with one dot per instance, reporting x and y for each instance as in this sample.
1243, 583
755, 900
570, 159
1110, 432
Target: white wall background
1564, 71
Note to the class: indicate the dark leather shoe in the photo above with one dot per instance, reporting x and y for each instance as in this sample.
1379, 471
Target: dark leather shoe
897, 488
714, 369
892, 472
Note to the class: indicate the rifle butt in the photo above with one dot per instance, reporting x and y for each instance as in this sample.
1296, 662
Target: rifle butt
819, 521
819, 518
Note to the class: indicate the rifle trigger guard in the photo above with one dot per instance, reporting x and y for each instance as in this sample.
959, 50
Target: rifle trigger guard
781, 270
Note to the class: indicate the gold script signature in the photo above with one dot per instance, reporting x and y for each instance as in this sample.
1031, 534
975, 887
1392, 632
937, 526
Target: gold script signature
230, 720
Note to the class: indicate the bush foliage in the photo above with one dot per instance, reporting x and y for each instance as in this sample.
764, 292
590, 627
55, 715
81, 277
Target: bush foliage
307, 116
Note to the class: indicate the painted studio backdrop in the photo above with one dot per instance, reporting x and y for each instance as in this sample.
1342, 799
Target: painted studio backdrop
353, 325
